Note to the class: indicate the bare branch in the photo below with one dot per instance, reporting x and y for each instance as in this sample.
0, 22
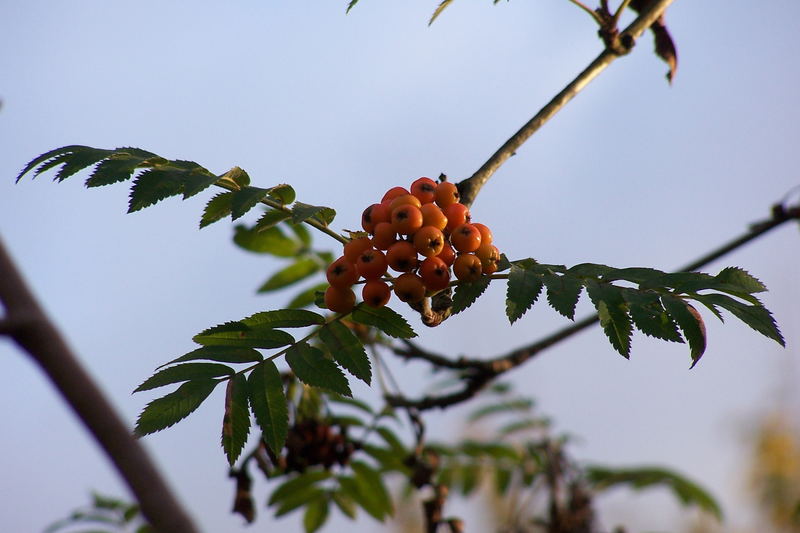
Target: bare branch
30, 328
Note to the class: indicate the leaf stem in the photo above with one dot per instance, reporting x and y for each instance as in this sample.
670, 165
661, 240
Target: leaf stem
588, 10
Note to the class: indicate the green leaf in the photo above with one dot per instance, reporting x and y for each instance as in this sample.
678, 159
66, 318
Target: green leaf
345, 504
152, 186
316, 513
270, 218
307, 297
284, 318
441, 7
349, 7
613, 314
589, 270
649, 315
299, 483
757, 317
312, 368
302, 212
244, 337
358, 404
370, 485
467, 292
347, 350
302, 233
686, 491
168, 410
268, 403
65, 150
634, 274
520, 405
236, 421
196, 179
268, 241
184, 372
297, 499
690, 322
392, 440
246, 199
236, 176
562, 293
282, 193
216, 209
117, 167
741, 279
523, 290
223, 354
294, 273
385, 320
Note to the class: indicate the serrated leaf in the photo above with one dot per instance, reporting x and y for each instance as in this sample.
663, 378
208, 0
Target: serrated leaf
349, 7
294, 273
284, 318
384, 319
45, 157
757, 317
79, 160
302, 212
562, 293
236, 421
347, 350
740, 279
649, 315
268, 403
236, 176
467, 292
216, 209
168, 410
524, 287
246, 199
152, 186
282, 193
441, 7
270, 218
244, 336
589, 270
307, 297
690, 322
613, 314
687, 492
371, 485
196, 179
312, 368
269, 241
118, 167
184, 372
316, 513
633, 274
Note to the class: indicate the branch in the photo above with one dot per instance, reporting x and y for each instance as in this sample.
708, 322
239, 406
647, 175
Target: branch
477, 373
26, 323
470, 187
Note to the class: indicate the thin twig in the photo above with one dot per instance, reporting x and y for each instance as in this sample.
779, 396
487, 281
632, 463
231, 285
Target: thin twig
589, 10
618, 13
27, 324
470, 187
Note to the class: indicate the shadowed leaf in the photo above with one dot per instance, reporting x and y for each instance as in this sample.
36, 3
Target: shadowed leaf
268, 403
236, 421
174, 407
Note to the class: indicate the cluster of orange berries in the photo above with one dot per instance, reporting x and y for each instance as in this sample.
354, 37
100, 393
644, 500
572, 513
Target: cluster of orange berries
420, 233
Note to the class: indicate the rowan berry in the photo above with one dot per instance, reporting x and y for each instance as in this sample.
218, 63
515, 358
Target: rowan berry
466, 238
486, 233
373, 215
341, 273
394, 192
467, 267
340, 300
447, 194
376, 293
448, 255
435, 273
490, 258
456, 214
406, 199
429, 241
402, 256
371, 264
409, 287
406, 219
384, 236
432, 215
424, 189
355, 246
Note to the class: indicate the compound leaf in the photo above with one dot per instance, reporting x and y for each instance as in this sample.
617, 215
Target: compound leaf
757, 317
216, 209
246, 199
284, 318
268, 403
152, 186
313, 368
307, 297
347, 350
467, 292
282, 193
222, 354
649, 315
270, 218
268, 241
613, 314
741, 279
563, 293
239, 334
297, 271
316, 513
690, 322
384, 319
168, 410
524, 287
236, 421
302, 212
184, 372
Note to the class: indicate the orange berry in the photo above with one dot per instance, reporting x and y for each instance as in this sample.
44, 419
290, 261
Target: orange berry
432, 215
435, 274
409, 287
384, 237
373, 215
406, 219
341, 273
354, 248
376, 293
394, 192
402, 256
340, 300
448, 255
429, 241
447, 193
406, 199
424, 189
371, 264
486, 233
456, 214
467, 267
490, 258
466, 238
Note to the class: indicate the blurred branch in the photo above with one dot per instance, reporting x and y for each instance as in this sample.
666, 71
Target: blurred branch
26, 323
477, 373
617, 44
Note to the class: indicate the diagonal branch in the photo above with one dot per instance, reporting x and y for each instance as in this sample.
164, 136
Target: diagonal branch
470, 187
26, 323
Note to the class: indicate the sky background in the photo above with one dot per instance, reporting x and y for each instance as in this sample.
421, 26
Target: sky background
633, 172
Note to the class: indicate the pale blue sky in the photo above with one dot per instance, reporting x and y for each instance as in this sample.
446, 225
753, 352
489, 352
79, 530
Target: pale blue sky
632, 173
